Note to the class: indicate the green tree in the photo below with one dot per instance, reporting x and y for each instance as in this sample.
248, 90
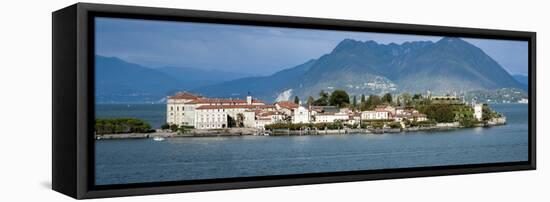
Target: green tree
296, 100
240, 120
173, 127
417, 96
323, 99
339, 98
441, 113
371, 102
310, 100
407, 99
121, 125
354, 104
488, 113
165, 126
387, 98
363, 98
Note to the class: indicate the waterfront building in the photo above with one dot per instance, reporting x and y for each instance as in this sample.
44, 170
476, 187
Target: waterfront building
478, 111
259, 118
286, 107
388, 108
182, 109
224, 116
399, 110
176, 108
410, 117
301, 115
377, 114
329, 117
208, 117
354, 118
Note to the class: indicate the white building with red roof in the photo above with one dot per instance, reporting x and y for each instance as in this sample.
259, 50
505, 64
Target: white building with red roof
224, 116
377, 114
191, 110
329, 117
287, 107
259, 118
176, 108
301, 115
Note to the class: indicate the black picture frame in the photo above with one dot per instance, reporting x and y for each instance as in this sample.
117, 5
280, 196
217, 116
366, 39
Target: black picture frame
73, 100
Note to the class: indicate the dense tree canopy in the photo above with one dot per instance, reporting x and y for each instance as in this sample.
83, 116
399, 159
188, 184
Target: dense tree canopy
121, 125
406, 99
371, 102
387, 98
323, 99
441, 113
310, 100
339, 98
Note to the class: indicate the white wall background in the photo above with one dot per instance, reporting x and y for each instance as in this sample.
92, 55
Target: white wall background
25, 102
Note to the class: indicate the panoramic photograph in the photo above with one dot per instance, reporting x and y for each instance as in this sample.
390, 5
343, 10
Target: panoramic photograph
181, 101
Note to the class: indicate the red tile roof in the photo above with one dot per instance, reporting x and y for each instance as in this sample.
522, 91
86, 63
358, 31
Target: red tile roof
221, 101
183, 95
287, 104
266, 113
235, 106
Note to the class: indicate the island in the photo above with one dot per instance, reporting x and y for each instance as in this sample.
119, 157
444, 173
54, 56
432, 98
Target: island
190, 115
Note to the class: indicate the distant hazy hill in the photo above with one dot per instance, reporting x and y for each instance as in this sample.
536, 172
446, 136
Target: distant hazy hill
523, 80
121, 81
194, 77
449, 65
265, 87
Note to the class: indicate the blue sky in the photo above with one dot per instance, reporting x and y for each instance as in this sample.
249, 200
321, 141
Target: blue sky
253, 50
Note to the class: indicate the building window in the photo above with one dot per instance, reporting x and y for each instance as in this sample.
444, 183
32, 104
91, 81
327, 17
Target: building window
171, 108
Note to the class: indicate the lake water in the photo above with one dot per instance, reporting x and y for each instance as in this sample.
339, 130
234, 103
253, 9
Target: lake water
144, 160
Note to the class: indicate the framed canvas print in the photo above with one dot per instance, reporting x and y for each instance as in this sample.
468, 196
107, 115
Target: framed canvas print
154, 100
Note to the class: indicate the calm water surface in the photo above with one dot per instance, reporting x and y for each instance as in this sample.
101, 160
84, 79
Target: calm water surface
144, 160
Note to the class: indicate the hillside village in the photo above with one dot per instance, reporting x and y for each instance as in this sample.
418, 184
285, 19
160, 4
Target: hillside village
186, 110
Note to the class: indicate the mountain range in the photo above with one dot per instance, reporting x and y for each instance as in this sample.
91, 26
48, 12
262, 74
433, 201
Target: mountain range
446, 66
360, 67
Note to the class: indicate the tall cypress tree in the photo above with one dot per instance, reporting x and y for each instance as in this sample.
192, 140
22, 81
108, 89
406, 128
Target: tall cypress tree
296, 100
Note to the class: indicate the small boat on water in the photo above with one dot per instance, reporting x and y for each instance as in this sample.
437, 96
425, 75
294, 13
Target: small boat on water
158, 138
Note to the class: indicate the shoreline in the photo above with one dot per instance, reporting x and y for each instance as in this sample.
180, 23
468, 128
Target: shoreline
238, 132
